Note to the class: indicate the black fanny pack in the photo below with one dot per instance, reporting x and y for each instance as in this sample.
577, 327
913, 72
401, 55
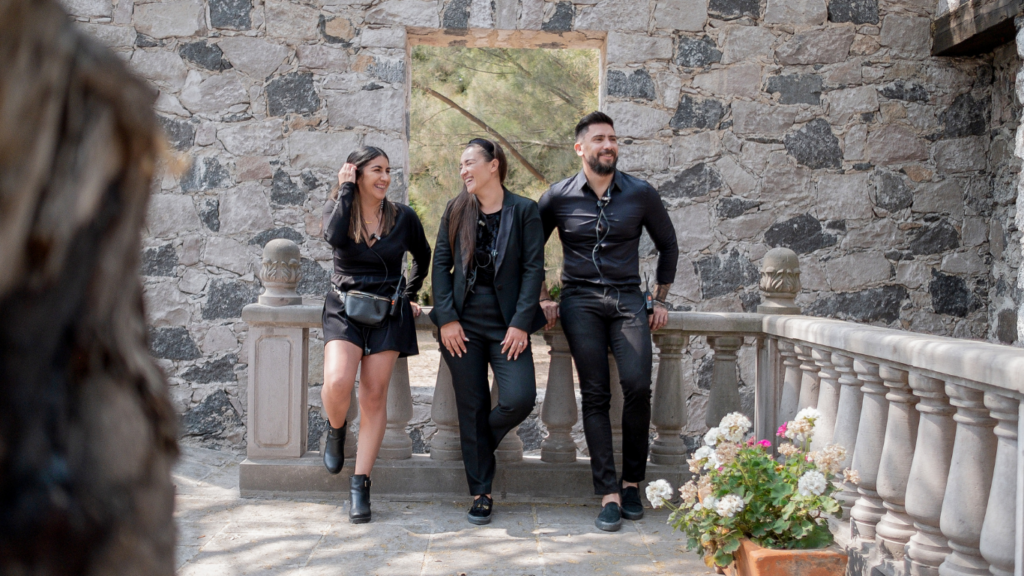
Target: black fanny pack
370, 310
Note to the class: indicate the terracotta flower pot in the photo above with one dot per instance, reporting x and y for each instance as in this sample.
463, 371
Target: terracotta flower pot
752, 560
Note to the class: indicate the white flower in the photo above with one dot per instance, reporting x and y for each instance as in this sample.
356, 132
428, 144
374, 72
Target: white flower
698, 507
733, 427
729, 505
658, 492
703, 452
812, 483
710, 502
808, 415
712, 437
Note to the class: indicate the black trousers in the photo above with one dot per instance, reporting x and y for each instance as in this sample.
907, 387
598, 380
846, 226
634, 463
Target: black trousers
481, 428
594, 320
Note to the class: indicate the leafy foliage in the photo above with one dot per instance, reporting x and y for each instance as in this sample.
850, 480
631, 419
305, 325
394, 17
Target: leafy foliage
533, 98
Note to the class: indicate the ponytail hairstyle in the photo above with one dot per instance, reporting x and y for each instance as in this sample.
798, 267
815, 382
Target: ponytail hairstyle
389, 212
463, 214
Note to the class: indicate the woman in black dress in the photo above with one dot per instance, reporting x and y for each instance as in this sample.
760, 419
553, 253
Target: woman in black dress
487, 273
370, 236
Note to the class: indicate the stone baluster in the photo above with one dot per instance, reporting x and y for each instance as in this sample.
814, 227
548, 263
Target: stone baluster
510, 449
928, 473
559, 410
766, 389
895, 528
397, 445
725, 389
868, 510
970, 478
351, 438
669, 409
808, 378
847, 423
828, 398
999, 538
789, 404
615, 408
445, 444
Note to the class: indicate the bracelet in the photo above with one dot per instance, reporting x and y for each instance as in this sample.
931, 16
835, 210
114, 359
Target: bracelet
662, 302
547, 299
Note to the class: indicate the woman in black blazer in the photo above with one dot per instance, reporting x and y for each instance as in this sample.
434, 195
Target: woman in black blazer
487, 272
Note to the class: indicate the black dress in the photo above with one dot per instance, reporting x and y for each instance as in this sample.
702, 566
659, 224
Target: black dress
376, 269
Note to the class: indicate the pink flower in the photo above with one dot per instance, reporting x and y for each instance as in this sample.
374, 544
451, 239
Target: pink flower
782, 430
765, 443
808, 458
750, 442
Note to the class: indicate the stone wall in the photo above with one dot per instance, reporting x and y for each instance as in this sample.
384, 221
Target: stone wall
822, 126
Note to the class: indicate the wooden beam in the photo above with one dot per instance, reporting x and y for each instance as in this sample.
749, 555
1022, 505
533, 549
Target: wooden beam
975, 27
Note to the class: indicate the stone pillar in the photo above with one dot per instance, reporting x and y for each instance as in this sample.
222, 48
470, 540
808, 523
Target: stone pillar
725, 390
669, 410
510, 449
808, 378
559, 410
277, 415
847, 423
928, 474
868, 510
828, 398
896, 527
999, 537
766, 397
780, 282
615, 408
789, 404
397, 445
445, 444
970, 478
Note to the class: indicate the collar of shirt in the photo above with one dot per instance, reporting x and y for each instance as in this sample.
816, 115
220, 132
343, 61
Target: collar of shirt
580, 183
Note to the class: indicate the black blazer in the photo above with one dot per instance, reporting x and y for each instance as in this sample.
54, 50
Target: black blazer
519, 268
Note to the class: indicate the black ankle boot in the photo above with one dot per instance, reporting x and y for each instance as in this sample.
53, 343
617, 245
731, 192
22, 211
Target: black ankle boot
334, 448
359, 511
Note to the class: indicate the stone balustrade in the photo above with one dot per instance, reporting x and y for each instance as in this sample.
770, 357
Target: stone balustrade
930, 423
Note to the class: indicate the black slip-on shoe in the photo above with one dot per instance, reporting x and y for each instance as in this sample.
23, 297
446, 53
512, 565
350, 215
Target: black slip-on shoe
480, 513
334, 448
632, 506
610, 518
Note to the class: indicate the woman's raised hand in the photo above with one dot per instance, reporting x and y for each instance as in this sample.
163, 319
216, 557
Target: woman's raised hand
515, 342
347, 174
454, 339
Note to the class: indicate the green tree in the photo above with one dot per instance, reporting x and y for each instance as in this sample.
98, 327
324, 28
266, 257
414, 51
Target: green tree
530, 100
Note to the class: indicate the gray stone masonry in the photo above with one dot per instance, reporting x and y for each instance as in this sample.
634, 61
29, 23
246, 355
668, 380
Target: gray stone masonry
821, 126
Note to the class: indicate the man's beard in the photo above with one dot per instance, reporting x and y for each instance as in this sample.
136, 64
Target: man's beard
600, 168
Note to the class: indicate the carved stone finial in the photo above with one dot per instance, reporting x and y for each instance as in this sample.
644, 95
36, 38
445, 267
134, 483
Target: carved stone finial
280, 273
780, 282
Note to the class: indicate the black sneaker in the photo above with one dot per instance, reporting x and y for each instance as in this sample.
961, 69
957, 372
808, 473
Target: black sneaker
610, 518
480, 513
632, 507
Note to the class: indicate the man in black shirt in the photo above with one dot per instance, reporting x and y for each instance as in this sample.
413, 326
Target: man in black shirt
600, 214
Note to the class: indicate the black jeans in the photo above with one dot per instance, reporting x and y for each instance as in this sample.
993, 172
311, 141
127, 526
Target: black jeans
481, 428
595, 319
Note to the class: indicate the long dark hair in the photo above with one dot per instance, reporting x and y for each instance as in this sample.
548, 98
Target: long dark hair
389, 212
462, 215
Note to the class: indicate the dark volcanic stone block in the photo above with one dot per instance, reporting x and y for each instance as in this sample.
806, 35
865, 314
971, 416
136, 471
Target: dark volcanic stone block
317, 425
872, 305
209, 213
725, 273
802, 234
699, 180
530, 433
639, 84
796, 88
456, 14
180, 133
211, 417
174, 343
392, 71
219, 370
908, 91
561, 20
891, 192
965, 117
292, 93
226, 298
856, 11
950, 294
730, 9
315, 280
698, 113
233, 14
205, 173
734, 207
815, 146
1006, 326
262, 238
160, 261
285, 192
208, 56
697, 52
934, 238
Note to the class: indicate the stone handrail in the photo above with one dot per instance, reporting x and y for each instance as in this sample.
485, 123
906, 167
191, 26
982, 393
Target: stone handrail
930, 423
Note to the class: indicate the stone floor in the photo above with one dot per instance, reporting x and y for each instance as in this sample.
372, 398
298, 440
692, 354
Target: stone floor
224, 535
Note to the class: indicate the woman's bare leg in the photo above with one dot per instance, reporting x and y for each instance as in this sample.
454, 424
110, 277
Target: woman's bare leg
373, 407
341, 361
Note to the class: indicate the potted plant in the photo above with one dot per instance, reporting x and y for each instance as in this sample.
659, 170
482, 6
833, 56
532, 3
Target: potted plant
755, 514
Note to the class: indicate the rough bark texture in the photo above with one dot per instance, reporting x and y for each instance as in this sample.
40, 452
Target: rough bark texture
87, 433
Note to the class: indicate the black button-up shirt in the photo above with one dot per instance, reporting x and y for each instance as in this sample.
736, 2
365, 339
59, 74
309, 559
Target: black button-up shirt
603, 250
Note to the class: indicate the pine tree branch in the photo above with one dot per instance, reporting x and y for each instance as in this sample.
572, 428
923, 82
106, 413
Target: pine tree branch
504, 142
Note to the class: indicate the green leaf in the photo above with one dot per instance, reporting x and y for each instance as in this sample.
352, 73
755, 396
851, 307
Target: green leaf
731, 546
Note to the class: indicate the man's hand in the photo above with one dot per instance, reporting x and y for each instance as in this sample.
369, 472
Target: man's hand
515, 342
659, 318
454, 339
550, 308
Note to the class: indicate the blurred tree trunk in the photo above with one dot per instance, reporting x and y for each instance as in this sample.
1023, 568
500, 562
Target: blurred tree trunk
87, 433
